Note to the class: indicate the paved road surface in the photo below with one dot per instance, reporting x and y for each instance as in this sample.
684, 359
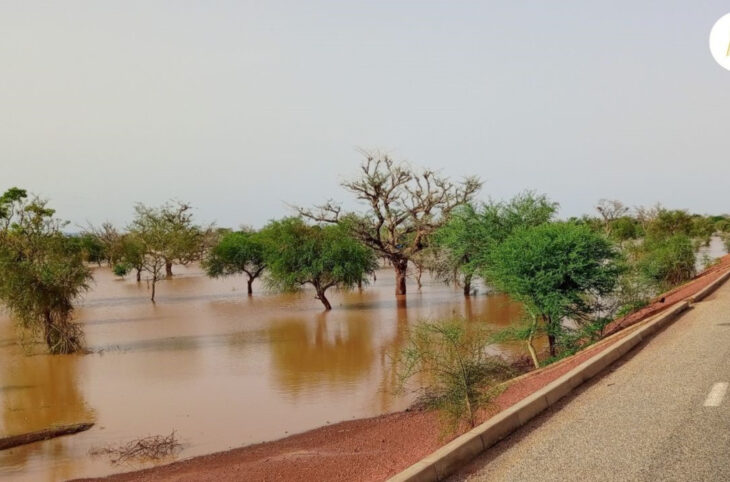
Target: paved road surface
661, 414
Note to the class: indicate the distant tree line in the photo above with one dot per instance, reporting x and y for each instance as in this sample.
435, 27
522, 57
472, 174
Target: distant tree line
583, 270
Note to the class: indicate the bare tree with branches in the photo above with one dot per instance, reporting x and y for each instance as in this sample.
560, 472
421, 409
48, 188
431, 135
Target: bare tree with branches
610, 210
405, 207
646, 215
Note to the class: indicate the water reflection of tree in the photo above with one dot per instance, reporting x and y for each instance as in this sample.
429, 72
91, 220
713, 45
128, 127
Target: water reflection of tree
37, 392
332, 351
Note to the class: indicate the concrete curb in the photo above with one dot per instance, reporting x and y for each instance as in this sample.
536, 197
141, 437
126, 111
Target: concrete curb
444, 461
707, 290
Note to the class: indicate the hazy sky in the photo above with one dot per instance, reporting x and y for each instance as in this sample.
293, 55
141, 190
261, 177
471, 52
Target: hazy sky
241, 107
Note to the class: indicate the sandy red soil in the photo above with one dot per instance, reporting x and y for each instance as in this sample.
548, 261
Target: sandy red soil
377, 448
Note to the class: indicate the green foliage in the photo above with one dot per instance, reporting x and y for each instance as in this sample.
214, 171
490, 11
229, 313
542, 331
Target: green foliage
238, 252
132, 250
169, 231
625, 228
92, 247
702, 228
121, 269
722, 223
668, 261
557, 270
42, 271
323, 256
669, 223
450, 360
469, 234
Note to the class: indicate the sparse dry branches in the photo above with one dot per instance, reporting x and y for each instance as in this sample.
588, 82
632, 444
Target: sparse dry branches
153, 447
404, 207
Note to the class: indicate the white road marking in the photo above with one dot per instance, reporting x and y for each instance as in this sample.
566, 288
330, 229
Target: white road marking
717, 393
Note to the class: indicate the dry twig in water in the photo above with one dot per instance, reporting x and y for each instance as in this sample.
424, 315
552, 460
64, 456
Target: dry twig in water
146, 448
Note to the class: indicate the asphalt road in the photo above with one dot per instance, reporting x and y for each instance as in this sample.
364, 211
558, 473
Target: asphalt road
660, 414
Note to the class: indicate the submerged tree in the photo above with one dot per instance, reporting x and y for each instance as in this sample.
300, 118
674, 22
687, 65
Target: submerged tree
42, 271
322, 256
132, 254
151, 230
108, 239
557, 270
184, 240
238, 252
470, 233
92, 248
404, 207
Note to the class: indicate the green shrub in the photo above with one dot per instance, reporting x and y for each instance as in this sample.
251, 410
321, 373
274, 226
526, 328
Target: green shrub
669, 261
122, 269
452, 362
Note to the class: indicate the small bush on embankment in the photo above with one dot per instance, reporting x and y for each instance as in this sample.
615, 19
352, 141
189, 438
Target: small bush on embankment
450, 361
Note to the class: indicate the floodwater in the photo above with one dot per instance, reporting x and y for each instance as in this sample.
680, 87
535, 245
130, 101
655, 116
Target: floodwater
714, 250
220, 368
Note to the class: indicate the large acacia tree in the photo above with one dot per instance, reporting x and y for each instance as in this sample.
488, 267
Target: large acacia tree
321, 256
558, 271
41, 270
404, 207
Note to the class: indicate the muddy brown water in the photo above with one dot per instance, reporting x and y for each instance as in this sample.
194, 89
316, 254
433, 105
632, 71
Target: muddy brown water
220, 368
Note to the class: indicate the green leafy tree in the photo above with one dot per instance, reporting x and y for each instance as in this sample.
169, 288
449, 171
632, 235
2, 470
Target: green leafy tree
42, 271
108, 239
238, 252
132, 254
668, 223
557, 270
150, 228
702, 228
184, 240
625, 228
322, 256
92, 247
469, 234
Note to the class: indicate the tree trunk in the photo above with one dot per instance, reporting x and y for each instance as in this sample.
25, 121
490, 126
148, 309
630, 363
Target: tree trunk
359, 284
250, 288
48, 324
321, 297
154, 282
45, 434
551, 334
530, 347
467, 285
168, 269
551, 339
139, 275
401, 268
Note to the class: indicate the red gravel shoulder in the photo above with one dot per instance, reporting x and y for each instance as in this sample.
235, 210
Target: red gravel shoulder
377, 448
